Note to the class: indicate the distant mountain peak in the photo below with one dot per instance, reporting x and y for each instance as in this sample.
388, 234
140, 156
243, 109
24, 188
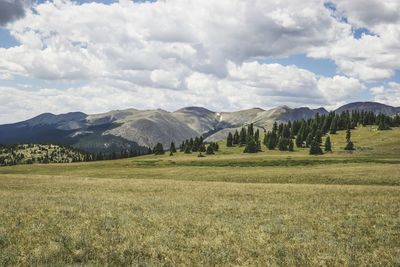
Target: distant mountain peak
369, 106
121, 129
194, 109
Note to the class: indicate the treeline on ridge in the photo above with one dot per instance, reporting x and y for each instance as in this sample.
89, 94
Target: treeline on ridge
309, 133
189, 146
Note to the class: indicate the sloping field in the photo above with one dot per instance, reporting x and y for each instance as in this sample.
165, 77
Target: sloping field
272, 208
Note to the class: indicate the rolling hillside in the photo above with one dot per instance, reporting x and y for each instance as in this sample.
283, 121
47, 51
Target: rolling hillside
138, 129
271, 208
36, 153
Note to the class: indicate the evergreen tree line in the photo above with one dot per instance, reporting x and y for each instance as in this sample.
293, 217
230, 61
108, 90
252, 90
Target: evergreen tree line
247, 138
38, 153
49, 153
309, 133
123, 154
188, 146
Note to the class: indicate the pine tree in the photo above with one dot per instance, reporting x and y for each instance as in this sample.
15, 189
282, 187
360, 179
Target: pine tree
158, 150
283, 144
172, 147
259, 146
187, 149
214, 146
210, 150
196, 144
182, 147
382, 125
251, 146
202, 148
348, 135
349, 146
229, 140
250, 130
257, 135
318, 136
271, 142
236, 138
328, 145
299, 140
309, 140
291, 145
243, 137
315, 148
333, 127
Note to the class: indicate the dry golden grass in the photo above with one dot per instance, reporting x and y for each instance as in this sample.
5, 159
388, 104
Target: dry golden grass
64, 220
340, 209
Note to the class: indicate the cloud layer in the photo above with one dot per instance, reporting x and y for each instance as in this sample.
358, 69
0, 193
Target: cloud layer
11, 10
173, 53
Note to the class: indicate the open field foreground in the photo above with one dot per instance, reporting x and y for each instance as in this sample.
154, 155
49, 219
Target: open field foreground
268, 209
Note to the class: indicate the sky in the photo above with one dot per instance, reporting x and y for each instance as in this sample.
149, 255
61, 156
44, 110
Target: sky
94, 56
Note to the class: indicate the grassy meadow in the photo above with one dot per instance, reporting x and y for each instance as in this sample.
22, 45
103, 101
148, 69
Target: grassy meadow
268, 209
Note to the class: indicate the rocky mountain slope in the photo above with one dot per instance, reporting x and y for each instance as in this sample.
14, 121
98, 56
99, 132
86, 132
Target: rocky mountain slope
369, 106
139, 129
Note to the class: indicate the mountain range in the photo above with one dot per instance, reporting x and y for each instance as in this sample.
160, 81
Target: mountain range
139, 129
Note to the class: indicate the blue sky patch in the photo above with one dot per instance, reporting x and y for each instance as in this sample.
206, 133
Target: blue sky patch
322, 67
6, 40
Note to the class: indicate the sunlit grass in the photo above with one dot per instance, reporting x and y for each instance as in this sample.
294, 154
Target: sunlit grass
273, 208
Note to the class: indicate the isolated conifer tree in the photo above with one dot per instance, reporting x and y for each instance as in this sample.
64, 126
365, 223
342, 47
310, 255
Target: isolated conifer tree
216, 146
158, 149
202, 148
348, 135
315, 148
187, 149
349, 146
210, 150
236, 138
172, 147
229, 140
328, 145
251, 145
